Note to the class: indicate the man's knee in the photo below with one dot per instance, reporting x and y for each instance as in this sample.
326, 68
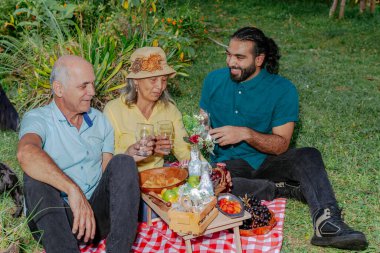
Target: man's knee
34, 188
123, 158
309, 153
40, 196
124, 168
309, 160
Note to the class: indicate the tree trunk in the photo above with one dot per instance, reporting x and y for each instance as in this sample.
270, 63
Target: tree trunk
372, 6
333, 8
362, 6
341, 11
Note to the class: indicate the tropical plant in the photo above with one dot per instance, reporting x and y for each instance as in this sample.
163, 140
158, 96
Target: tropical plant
36, 16
26, 60
46, 31
108, 56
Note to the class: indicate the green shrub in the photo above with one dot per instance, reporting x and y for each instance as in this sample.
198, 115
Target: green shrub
30, 16
105, 36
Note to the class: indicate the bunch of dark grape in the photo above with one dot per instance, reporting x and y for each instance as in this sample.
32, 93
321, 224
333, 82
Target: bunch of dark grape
260, 213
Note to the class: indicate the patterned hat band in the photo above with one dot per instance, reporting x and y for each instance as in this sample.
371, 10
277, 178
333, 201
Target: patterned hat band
149, 62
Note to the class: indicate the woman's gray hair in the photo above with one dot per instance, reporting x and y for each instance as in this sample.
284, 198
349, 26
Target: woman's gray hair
131, 94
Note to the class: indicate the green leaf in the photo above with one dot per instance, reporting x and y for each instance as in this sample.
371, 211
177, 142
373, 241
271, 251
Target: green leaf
135, 3
45, 85
183, 74
101, 72
130, 47
114, 72
22, 10
46, 68
117, 87
41, 72
28, 23
96, 63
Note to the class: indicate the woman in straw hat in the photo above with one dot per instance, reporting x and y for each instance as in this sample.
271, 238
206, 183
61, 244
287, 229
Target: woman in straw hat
147, 100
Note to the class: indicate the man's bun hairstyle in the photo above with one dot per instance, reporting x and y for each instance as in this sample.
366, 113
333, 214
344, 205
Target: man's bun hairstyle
263, 45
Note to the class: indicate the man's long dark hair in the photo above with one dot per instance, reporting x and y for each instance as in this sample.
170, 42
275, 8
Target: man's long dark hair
262, 45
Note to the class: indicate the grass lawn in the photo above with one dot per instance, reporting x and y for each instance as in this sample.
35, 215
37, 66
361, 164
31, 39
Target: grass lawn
335, 66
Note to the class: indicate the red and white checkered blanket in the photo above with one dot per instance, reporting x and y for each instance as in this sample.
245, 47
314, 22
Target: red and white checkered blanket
159, 238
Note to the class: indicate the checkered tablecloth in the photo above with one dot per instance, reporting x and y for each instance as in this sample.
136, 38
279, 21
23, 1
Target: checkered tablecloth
159, 238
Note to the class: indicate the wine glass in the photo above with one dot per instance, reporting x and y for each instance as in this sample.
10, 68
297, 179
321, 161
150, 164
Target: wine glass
144, 133
165, 130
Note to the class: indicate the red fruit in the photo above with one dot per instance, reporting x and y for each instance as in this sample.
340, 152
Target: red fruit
229, 206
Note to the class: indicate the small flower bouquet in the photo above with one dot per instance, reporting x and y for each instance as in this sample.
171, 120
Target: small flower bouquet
197, 127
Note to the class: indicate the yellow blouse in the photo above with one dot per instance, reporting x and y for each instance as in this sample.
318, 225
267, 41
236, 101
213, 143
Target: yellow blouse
124, 120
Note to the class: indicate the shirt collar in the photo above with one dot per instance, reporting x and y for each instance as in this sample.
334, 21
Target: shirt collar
88, 117
257, 79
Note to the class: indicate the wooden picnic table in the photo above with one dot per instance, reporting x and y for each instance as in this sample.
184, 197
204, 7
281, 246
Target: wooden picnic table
221, 222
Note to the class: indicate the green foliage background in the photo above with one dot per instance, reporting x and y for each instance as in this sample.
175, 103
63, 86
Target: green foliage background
36, 32
334, 64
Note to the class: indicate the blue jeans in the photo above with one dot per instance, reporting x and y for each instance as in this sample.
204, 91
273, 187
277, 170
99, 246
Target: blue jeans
115, 204
301, 165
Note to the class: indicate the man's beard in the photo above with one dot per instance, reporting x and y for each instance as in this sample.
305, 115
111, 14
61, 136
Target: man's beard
245, 73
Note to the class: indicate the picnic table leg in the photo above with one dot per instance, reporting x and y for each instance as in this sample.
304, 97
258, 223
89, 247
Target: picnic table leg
237, 239
189, 249
149, 215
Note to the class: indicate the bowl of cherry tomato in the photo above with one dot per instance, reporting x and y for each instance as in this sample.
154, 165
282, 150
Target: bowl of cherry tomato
230, 205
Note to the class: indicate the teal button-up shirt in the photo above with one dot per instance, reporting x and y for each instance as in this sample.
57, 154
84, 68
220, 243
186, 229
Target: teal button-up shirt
264, 102
77, 153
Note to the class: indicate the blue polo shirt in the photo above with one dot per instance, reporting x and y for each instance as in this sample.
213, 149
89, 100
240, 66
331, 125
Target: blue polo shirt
264, 102
77, 153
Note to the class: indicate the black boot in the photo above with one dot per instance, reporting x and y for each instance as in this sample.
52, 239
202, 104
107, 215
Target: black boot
289, 190
331, 231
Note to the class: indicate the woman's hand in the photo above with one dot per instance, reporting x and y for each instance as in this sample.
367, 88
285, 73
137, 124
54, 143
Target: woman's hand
163, 145
135, 149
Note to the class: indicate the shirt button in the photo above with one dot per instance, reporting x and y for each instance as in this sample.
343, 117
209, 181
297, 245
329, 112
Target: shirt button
239, 91
81, 167
236, 111
88, 152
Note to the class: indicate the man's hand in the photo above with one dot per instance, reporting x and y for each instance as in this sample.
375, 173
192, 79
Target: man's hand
135, 148
84, 220
275, 143
228, 135
163, 145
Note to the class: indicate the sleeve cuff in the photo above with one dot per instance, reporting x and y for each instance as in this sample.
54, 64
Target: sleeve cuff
283, 121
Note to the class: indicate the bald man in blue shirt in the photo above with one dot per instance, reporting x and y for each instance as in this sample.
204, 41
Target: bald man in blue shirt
253, 113
75, 190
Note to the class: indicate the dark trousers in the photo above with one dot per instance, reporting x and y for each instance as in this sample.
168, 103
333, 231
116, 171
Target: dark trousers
302, 165
115, 204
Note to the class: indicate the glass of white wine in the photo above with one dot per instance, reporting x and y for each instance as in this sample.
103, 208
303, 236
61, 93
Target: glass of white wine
144, 133
165, 130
